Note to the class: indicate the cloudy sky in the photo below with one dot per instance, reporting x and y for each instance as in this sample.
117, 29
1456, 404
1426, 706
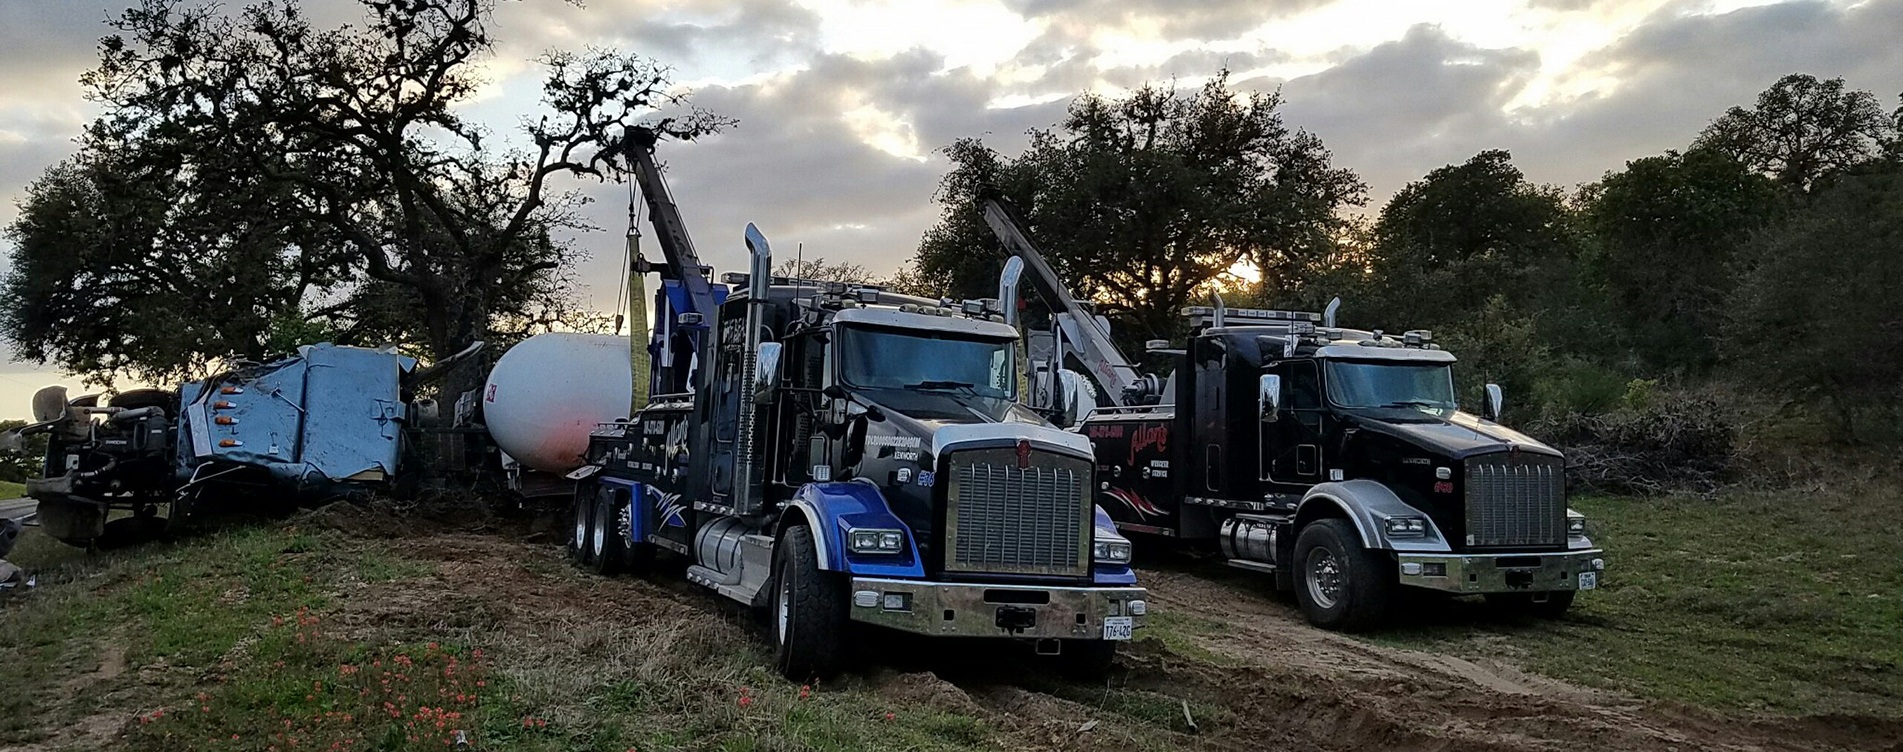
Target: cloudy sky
843, 104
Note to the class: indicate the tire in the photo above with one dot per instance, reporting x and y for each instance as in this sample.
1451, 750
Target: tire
581, 513
1554, 607
1340, 584
807, 616
605, 541
1087, 660
133, 399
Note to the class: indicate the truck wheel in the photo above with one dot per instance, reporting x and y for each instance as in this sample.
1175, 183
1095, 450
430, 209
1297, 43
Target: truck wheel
1087, 660
808, 614
604, 542
580, 510
1340, 584
1553, 607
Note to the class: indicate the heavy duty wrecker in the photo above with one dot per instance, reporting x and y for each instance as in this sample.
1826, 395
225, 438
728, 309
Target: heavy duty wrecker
1336, 460
843, 454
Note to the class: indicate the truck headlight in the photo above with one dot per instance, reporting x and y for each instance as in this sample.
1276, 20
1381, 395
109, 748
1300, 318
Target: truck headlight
1111, 551
875, 541
1576, 527
1406, 527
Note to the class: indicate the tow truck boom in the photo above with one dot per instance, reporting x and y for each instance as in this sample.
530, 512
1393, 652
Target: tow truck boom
1078, 330
683, 266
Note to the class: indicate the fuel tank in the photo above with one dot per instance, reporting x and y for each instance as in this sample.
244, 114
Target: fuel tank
546, 393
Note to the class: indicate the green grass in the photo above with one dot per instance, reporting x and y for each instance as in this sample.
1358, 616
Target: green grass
1178, 633
12, 490
251, 637
1789, 601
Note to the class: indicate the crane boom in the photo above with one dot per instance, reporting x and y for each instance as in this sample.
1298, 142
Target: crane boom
679, 319
1104, 364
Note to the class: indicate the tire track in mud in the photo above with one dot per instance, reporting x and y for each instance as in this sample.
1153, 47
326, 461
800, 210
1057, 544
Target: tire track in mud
1336, 692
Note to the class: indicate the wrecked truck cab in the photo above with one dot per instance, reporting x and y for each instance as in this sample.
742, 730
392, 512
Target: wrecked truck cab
322, 423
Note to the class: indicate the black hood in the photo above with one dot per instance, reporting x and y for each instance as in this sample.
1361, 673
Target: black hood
1456, 435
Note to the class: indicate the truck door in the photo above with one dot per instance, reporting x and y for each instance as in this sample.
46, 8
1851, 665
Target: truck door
1291, 444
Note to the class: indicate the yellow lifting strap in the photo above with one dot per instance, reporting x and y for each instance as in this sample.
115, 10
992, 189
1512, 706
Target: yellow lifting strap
637, 324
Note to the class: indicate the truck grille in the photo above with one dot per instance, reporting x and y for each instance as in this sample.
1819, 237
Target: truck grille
1018, 520
1516, 500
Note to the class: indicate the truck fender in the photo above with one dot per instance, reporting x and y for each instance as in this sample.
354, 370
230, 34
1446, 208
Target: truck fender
1369, 504
640, 506
831, 509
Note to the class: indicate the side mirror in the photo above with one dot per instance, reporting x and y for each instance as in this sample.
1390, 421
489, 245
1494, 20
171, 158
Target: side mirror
1496, 400
1268, 399
1078, 402
766, 372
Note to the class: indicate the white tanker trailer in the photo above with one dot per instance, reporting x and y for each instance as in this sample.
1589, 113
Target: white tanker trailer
545, 395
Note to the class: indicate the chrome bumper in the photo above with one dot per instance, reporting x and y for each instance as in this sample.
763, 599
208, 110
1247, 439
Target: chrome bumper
1505, 572
971, 610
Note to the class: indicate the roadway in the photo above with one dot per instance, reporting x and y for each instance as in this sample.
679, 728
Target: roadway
20, 509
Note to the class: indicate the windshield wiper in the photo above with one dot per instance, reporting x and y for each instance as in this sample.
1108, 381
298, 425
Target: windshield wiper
1413, 403
940, 385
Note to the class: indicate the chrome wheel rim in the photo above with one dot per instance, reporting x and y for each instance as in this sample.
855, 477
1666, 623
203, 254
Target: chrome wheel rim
601, 534
1324, 577
581, 526
786, 592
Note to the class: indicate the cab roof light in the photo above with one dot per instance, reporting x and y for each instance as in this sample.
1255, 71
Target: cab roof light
1257, 314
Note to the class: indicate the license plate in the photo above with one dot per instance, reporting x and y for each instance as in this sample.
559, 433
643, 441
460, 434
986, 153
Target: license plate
1588, 580
1118, 627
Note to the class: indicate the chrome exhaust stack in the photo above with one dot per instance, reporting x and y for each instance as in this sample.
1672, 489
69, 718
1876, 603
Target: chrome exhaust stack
748, 473
1008, 283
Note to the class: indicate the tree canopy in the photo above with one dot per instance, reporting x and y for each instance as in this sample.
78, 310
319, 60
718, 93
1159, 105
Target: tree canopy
1817, 315
1664, 231
312, 180
1761, 251
1145, 203
1802, 129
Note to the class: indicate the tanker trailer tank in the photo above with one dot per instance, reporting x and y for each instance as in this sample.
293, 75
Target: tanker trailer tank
547, 393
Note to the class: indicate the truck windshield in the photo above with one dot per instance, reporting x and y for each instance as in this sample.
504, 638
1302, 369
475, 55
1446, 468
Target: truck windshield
926, 361
1421, 386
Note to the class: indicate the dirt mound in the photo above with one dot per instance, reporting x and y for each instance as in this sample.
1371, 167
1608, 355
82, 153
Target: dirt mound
387, 518
923, 688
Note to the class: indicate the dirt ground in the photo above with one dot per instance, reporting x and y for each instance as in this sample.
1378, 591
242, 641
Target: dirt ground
1261, 680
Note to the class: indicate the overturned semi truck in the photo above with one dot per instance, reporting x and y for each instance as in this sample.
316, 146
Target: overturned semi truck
327, 422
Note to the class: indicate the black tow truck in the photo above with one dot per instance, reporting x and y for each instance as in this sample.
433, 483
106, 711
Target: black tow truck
1336, 460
